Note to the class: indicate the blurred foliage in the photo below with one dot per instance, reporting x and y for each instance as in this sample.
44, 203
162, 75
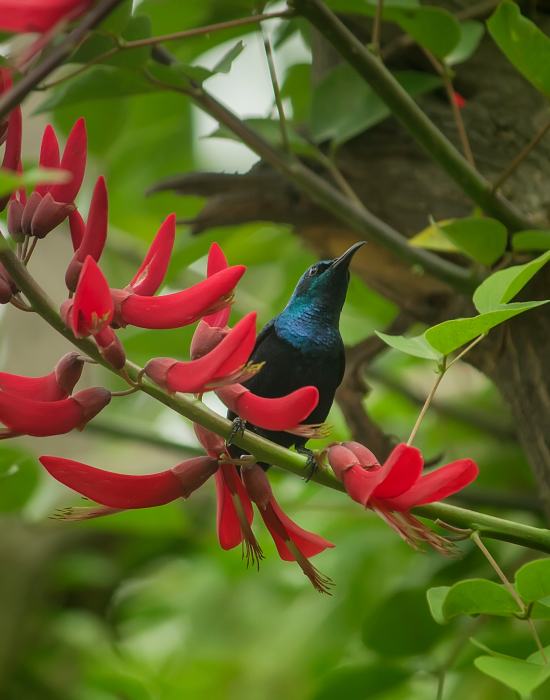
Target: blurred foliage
145, 605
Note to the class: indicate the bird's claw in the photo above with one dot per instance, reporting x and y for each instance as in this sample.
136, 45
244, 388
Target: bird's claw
238, 427
311, 464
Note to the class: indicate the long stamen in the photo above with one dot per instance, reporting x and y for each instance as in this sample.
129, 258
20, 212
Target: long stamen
71, 514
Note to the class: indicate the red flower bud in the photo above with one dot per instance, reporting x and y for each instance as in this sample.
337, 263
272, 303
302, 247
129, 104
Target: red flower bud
194, 473
150, 275
365, 457
211, 370
28, 212
212, 443
271, 414
43, 418
206, 338
92, 307
49, 156
257, 485
15, 214
48, 215
110, 347
179, 309
55, 386
74, 160
12, 153
77, 227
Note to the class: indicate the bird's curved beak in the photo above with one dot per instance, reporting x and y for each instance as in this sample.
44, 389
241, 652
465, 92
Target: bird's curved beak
344, 260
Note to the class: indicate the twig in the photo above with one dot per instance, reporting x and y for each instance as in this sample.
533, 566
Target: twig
466, 349
187, 34
340, 180
276, 91
11, 98
442, 370
20, 304
30, 251
411, 116
375, 43
521, 156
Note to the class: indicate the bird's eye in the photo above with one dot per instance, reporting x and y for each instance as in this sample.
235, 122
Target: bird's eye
313, 270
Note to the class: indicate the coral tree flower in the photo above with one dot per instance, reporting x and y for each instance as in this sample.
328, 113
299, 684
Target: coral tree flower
116, 492
38, 15
292, 542
55, 386
11, 132
43, 418
150, 275
392, 489
225, 364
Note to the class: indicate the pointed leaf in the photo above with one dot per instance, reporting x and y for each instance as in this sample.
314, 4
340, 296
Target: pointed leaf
434, 238
224, 65
481, 238
417, 346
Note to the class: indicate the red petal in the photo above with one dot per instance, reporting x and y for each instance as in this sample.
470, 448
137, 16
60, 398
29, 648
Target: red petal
205, 338
216, 263
78, 227
308, 543
436, 485
366, 458
95, 234
35, 388
49, 156
272, 414
12, 154
182, 308
38, 15
150, 275
230, 354
39, 418
93, 306
229, 529
122, 491
74, 160
360, 483
405, 467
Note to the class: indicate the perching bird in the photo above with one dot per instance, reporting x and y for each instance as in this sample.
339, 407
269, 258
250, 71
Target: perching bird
302, 346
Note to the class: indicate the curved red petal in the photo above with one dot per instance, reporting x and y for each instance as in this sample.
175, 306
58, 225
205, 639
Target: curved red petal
38, 15
436, 485
192, 377
360, 483
39, 418
123, 491
12, 153
365, 457
78, 228
182, 308
33, 388
228, 527
93, 305
74, 160
308, 543
95, 234
49, 156
153, 270
403, 468
216, 263
277, 414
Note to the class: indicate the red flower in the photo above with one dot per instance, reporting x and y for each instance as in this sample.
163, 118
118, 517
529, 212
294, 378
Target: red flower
216, 263
153, 270
223, 365
11, 132
93, 238
38, 15
42, 418
393, 489
460, 101
271, 414
53, 387
92, 307
293, 543
179, 309
124, 491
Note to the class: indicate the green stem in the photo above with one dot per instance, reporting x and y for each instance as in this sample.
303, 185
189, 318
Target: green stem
262, 449
410, 115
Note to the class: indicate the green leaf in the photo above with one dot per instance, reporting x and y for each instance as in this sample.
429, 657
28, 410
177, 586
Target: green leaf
270, 130
96, 44
502, 286
523, 43
385, 633
297, 87
477, 596
433, 238
540, 610
417, 346
116, 20
224, 65
344, 105
521, 676
481, 238
472, 34
436, 598
531, 240
18, 479
360, 682
533, 580
491, 652
450, 335
98, 83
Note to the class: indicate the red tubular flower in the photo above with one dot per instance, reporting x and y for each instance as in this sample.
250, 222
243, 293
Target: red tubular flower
55, 386
74, 160
179, 309
77, 226
49, 156
38, 15
11, 132
216, 263
92, 307
125, 491
460, 101
223, 365
153, 270
271, 414
110, 347
43, 418
292, 542
94, 236
205, 338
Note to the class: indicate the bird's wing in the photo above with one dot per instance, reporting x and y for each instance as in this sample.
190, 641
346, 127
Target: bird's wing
342, 367
263, 334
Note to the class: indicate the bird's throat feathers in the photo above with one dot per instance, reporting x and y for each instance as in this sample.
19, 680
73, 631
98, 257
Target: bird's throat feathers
310, 324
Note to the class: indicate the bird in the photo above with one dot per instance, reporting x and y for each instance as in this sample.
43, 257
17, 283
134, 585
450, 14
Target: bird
302, 346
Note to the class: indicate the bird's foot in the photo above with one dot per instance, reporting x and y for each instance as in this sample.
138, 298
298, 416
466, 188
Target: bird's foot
238, 426
311, 464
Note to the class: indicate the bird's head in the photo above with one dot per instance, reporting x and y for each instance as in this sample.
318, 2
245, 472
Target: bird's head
325, 282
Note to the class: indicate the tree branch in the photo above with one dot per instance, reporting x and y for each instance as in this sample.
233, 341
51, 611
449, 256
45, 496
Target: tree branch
410, 115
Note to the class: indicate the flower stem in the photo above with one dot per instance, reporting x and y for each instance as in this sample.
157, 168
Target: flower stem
442, 370
375, 42
276, 91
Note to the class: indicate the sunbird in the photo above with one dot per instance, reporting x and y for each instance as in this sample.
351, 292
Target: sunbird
302, 346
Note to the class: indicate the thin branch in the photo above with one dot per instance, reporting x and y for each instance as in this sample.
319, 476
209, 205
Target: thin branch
340, 180
375, 42
187, 34
522, 155
411, 116
442, 370
276, 91
11, 98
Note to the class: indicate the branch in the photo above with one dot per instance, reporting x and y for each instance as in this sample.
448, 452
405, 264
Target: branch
20, 90
411, 116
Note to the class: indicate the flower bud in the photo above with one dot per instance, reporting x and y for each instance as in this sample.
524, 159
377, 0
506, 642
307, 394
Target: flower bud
212, 443
110, 347
257, 485
193, 473
91, 401
15, 213
364, 456
48, 215
206, 338
68, 371
28, 212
